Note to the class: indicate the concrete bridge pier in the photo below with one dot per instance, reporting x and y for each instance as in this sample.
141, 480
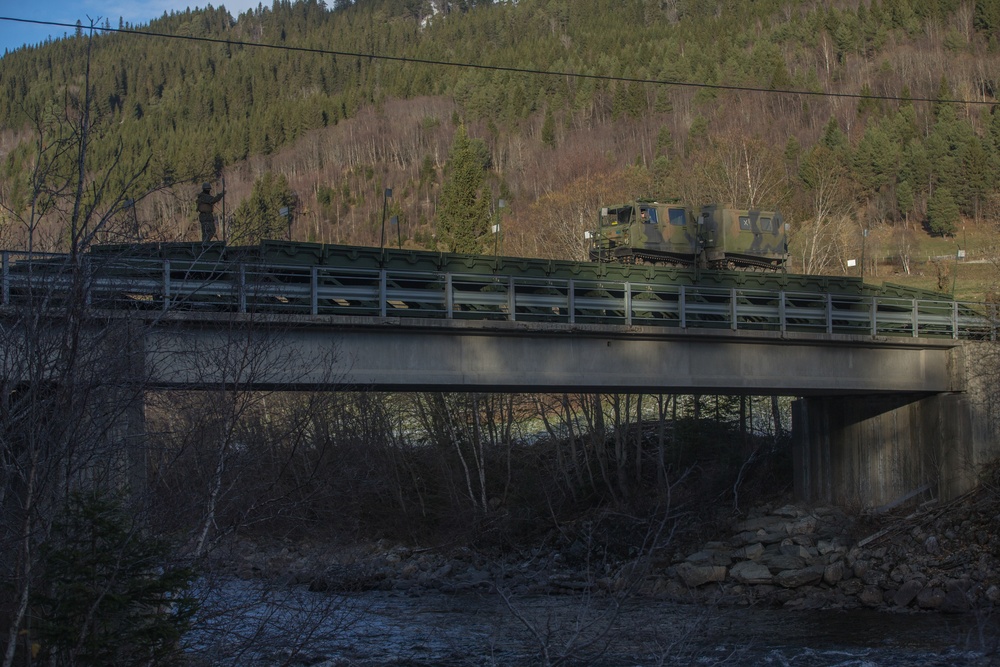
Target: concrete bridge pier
882, 450
127, 431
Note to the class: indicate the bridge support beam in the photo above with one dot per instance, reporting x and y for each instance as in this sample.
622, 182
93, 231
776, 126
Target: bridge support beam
114, 411
880, 451
131, 421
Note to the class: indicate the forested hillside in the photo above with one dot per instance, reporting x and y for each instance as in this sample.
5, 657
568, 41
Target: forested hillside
676, 98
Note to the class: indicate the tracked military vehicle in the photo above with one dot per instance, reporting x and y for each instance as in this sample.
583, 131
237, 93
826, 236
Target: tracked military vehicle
715, 236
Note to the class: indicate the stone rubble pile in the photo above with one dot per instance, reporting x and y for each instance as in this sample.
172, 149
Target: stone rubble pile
804, 558
944, 559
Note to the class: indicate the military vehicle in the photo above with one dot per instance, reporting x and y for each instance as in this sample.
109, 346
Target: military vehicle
715, 237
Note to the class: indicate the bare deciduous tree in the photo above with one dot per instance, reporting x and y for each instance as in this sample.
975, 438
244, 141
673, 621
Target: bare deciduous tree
743, 171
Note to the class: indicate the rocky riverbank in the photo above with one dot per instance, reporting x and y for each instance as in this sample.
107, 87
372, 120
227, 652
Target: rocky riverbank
932, 557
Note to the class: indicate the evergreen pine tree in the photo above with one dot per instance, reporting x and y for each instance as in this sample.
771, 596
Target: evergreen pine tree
111, 595
463, 215
942, 212
904, 198
995, 130
977, 176
833, 136
875, 160
549, 129
260, 215
664, 141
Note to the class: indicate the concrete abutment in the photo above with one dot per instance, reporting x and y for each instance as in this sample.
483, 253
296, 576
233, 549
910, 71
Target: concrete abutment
878, 451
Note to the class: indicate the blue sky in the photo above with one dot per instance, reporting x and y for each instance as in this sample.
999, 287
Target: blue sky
14, 34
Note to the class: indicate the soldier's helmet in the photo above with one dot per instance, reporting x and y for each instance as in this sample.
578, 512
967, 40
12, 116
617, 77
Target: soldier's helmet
206, 186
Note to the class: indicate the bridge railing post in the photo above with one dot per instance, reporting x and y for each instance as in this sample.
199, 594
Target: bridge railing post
314, 290
782, 320
873, 315
166, 285
241, 288
681, 303
572, 301
916, 317
733, 317
628, 304
6, 277
829, 314
449, 297
382, 289
511, 299
87, 281
954, 320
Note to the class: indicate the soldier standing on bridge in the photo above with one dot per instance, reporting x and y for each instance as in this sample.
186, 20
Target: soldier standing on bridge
206, 213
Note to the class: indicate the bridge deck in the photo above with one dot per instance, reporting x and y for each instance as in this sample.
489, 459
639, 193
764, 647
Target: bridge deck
309, 352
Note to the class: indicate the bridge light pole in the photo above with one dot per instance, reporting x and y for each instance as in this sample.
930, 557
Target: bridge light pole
959, 254
496, 234
864, 235
385, 206
286, 213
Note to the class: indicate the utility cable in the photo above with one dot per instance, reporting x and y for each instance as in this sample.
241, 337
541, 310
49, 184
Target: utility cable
498, 68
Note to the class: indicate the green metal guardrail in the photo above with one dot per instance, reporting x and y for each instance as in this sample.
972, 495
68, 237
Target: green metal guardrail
363, 282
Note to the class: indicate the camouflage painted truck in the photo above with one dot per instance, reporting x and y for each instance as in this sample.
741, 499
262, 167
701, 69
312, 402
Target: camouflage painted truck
715, 237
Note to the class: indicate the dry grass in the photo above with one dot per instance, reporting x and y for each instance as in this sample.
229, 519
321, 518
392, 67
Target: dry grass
935, 266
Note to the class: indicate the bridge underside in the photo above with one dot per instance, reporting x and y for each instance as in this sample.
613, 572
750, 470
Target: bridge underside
392, 354
878, 420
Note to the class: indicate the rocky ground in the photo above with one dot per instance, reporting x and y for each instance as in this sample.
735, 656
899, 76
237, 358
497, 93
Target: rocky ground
943, 557
933, 558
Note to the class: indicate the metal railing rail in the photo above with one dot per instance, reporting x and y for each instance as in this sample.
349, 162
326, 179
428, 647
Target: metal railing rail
193, 285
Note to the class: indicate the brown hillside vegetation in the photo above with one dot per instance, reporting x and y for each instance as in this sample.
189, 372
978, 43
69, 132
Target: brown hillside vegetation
556, 148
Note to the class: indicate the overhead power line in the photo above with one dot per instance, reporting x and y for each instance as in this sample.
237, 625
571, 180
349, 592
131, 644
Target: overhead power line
497, 68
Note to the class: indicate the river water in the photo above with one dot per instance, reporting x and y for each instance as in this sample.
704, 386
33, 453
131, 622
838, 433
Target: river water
246, 624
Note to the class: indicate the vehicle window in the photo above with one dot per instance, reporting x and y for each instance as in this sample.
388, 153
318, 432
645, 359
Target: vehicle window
745, 223
619, 216
649, 216
678, 216
766, 225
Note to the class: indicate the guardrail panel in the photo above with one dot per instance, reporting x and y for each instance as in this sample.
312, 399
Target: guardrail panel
195, 278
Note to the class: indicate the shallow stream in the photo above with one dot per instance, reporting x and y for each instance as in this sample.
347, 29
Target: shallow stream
245, 624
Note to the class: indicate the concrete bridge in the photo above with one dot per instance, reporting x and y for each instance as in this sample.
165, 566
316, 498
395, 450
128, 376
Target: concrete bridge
876, 421
893, 390
412, 354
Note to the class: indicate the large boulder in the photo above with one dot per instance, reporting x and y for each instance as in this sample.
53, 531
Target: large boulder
930, 598
779, 562
803, 577
751, 572
709, 557
794, 550
833, 573
804, 526
955, 598
907, 592
750, 552
870, 596
699, 575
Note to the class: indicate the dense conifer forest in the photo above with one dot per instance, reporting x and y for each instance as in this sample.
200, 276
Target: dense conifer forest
560, 107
